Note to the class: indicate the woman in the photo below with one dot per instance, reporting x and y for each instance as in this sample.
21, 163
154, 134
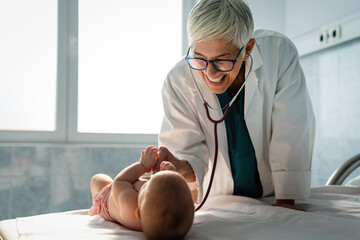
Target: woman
266, 140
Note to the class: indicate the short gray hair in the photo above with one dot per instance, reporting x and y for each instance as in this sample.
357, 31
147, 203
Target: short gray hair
230, 20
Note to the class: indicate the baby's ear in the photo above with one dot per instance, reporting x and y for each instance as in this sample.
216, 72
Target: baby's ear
137, 214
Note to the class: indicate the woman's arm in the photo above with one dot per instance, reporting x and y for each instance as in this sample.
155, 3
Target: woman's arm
293, 130
132, 173
181, 131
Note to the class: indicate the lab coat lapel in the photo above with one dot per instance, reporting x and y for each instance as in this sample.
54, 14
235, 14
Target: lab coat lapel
253, 111
251, 84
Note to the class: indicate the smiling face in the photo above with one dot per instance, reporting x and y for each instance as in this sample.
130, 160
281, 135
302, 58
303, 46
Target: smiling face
218, 82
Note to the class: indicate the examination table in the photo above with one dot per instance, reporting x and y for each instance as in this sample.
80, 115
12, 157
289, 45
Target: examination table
332, 212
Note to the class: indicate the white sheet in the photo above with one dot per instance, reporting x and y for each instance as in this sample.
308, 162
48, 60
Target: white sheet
332, 213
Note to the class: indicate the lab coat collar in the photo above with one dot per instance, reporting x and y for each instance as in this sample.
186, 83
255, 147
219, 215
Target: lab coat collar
251, 84
256, 58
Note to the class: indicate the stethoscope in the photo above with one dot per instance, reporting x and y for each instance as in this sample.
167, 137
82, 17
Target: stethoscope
216, 122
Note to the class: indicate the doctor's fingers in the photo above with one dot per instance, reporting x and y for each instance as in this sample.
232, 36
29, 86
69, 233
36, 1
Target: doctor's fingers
162, 155
167, 166
165, 154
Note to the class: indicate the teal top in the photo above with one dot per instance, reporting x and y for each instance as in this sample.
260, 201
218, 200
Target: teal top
241, 150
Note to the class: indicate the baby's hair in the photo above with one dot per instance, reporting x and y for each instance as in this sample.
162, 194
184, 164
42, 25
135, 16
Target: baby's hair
168, 210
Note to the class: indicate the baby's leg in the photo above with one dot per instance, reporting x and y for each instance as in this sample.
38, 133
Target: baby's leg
98, 182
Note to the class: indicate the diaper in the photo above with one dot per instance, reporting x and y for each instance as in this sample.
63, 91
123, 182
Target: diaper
100, 203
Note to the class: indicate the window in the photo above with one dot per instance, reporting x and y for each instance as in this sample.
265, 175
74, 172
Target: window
28, 47
126, 48
87, 70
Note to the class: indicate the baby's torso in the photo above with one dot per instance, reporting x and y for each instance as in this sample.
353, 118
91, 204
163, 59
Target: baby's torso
137, 185
115, 209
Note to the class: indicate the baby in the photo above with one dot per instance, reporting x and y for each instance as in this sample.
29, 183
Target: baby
161, 205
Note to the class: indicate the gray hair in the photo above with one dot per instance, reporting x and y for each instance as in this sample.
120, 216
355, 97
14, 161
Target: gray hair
230, 20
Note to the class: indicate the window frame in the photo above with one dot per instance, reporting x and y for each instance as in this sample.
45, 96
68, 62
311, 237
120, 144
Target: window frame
67, 88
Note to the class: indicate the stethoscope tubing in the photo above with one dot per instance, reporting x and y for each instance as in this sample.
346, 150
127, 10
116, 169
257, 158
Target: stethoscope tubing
216, 122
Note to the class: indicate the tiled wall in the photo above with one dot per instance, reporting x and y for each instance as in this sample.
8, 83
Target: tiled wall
333, 79
43, 179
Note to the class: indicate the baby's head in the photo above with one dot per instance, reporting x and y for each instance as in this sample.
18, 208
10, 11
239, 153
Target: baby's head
166, 207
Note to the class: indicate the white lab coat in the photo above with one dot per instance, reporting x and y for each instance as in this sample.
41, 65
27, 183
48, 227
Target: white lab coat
278, 115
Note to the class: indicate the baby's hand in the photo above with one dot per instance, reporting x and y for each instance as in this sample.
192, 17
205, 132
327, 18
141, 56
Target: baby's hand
165, 165
149, 157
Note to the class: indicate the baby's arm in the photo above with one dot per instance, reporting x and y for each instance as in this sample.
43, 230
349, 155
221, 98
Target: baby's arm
123, 192
132, 173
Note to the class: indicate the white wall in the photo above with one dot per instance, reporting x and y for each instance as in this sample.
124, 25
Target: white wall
296, 17
306, 15
332, 74
269, 14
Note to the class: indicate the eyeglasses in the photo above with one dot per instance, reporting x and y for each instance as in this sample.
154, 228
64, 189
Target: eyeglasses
220, 65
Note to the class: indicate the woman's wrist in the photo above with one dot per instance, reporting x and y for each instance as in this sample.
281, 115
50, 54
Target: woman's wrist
289, 202
186, 171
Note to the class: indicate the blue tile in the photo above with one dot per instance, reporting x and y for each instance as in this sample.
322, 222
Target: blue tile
51, 179
4, 197
59, 187
22, 159
81, 193
328, 62
5, 161
70, 193
349, 148
325, 159
349, 113
310, 65
112, 160
29, 195
349, 57
5, 176
354, 174
58, 161
78, 160
335, 100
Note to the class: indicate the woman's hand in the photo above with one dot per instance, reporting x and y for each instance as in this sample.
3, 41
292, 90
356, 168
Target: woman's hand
181, 166
149, 158
166, 165
288, 203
